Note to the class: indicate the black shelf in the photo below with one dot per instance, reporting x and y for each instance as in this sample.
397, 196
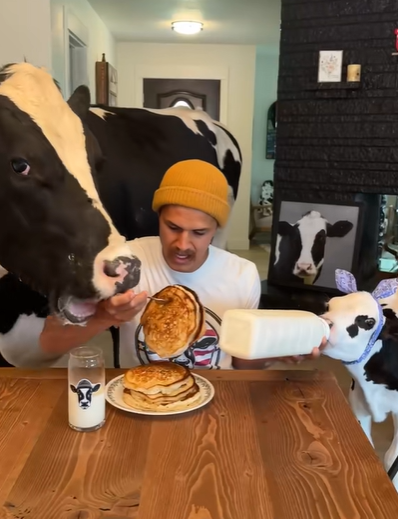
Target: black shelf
355, 85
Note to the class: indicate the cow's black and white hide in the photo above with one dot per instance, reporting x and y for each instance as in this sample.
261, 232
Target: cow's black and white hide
300, 247
364, 336
55, 233
75, 181
138, 145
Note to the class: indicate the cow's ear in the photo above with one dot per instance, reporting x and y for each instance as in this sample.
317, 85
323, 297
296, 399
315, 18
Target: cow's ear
284, 228
96, 388
79, 101
390, 328
74, 390
339, 229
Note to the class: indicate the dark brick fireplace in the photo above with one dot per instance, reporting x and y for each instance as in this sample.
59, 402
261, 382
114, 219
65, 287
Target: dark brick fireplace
338, 141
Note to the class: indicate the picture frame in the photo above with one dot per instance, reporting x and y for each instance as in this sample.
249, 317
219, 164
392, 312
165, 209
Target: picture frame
330, 66
307, 248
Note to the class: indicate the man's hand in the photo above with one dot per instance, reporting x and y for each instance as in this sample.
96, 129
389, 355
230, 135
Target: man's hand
316, 353
122, 308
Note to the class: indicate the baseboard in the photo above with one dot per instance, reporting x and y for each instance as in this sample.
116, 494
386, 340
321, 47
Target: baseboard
238, 244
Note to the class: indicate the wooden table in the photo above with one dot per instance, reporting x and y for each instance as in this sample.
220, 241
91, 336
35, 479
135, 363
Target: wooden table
272, 444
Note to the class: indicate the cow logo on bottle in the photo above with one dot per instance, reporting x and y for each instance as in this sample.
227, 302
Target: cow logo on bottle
204, 353
84, 391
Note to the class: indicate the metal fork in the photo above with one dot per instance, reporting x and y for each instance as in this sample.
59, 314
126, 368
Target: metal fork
158, 299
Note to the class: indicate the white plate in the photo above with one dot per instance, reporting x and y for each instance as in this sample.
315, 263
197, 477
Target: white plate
114, 395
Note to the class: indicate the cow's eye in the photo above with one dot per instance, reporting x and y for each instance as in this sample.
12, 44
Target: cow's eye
20, 166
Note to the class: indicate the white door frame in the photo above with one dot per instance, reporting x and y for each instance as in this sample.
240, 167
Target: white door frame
183, 72
80, 34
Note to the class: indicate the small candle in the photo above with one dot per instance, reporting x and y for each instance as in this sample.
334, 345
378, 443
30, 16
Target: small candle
353, 73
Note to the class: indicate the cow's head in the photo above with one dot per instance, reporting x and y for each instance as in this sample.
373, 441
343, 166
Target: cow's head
353, 319
307, 240
55, 234
359, 319
85, 390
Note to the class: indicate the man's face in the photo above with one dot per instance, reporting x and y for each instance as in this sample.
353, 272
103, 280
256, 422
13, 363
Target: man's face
185, 235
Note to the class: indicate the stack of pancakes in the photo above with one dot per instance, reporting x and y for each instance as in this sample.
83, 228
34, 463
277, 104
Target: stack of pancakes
171, 327
160, 386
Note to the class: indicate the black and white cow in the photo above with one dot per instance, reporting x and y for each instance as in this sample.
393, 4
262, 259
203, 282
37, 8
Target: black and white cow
75, 181
55, 233
364, 336
139, 145
85, 390
300, 247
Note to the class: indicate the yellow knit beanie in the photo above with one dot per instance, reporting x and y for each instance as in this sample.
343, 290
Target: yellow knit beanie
195, 184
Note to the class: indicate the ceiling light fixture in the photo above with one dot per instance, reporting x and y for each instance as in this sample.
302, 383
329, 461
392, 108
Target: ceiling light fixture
186, 27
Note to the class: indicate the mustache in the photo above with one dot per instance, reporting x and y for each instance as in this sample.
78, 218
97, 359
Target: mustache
186, 252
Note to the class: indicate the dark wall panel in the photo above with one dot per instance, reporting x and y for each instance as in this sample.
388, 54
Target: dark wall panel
339, 141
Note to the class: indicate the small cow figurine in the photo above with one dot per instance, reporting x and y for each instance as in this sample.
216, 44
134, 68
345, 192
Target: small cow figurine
364, 336
85, 390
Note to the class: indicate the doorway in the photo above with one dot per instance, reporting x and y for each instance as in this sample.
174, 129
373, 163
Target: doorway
192, 93
77, 62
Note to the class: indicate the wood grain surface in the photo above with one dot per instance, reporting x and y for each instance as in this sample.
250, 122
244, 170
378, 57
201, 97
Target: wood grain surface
271, 445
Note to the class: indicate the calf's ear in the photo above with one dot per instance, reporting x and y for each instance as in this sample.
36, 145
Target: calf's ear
339, 229
74, 390
96, 388
390, 328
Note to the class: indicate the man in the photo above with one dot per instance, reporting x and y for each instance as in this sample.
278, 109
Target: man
192, 202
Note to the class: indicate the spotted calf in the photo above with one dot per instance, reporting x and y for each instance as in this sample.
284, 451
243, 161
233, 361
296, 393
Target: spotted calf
364, 336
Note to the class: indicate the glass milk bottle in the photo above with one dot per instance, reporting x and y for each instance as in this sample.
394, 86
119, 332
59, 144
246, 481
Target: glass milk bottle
256, 334
86, 389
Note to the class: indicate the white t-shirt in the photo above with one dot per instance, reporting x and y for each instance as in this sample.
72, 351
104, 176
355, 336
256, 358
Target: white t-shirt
225, 281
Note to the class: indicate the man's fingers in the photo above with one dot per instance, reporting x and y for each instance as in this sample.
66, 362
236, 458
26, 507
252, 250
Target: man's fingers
121, 303
316, 352
120, 299
139, 300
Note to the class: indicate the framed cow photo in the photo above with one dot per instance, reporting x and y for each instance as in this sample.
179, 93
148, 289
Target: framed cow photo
310, 240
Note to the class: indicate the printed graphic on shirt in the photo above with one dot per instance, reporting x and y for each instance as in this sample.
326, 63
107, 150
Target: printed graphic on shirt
204, 353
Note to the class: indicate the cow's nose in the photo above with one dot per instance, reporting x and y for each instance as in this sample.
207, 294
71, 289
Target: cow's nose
111, 268
120, 267
304, 266
124, 270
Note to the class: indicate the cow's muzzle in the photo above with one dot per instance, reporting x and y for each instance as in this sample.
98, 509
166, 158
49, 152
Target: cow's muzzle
114, 277
125, 272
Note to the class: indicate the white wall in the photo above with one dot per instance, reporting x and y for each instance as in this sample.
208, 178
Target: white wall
99, 38
25, 32
234, 65
267, 66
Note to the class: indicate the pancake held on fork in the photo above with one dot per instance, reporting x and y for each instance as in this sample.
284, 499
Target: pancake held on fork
160, 386
172, 326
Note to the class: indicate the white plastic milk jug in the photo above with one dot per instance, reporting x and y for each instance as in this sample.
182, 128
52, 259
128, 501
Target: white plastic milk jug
257, 334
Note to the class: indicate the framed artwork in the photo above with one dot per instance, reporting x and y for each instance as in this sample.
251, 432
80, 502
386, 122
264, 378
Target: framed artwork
310, 240
106, 83
330, 66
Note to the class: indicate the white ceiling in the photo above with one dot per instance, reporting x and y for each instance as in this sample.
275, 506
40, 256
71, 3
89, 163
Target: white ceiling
244, 22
